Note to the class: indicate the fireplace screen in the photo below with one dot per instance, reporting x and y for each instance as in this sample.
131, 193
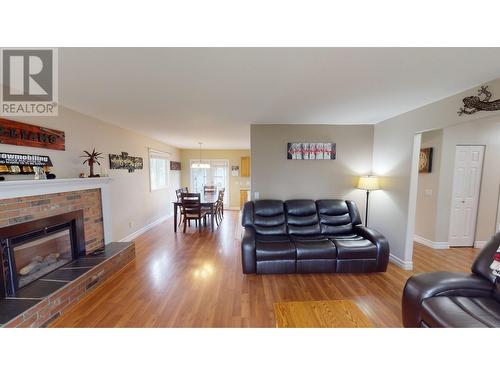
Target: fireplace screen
39, 256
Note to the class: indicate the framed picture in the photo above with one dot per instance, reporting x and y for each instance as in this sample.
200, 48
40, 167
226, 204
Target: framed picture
175, 166
311, 151
235, 170
425, 160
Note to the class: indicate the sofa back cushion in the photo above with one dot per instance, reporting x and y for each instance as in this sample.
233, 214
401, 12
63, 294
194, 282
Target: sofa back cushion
269, 217
302, 217
335, 216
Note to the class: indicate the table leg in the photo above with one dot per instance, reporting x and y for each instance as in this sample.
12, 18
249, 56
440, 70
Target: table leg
175, 218
212, 214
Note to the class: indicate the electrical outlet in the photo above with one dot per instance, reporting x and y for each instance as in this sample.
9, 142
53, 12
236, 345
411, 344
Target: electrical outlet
130, 224
256, 195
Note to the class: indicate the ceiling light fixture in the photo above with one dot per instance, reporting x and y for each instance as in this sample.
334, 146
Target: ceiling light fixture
200, 164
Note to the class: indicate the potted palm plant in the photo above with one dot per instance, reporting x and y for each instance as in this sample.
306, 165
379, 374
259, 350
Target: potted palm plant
91, 158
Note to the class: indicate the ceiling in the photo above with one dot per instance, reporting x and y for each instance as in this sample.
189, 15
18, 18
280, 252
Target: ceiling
183, 96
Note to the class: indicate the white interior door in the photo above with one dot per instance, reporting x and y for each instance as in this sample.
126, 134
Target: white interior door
465, 194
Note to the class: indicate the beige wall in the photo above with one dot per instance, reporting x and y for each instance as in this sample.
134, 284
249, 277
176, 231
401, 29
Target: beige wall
273, 176
428, 187
132, 204
392, 156
234, 157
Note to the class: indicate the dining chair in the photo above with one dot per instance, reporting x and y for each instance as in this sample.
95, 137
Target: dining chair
222, 191
219, 207
191, 209
209, 189
178, 193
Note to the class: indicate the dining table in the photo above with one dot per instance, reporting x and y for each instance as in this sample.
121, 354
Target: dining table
207, 201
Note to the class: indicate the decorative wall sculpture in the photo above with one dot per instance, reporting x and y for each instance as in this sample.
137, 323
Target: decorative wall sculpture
481, 102
311, 151
123, 161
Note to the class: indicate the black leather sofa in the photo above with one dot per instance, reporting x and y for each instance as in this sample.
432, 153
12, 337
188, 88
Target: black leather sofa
307, 236
450, 299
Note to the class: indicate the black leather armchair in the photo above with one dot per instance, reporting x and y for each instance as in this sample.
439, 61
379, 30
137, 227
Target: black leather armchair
306, 236
450, 299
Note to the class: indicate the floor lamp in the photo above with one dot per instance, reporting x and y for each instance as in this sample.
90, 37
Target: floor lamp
368, 183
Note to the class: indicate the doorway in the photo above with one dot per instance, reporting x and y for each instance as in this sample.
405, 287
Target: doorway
216, 174
467, 174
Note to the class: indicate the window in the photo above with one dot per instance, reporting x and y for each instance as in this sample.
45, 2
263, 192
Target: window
159, 168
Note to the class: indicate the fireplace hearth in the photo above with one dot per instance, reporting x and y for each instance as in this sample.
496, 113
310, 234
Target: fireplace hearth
33, 249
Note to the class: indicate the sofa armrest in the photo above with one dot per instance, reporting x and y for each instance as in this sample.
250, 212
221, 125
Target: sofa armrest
248, 256
380, 241
426, 285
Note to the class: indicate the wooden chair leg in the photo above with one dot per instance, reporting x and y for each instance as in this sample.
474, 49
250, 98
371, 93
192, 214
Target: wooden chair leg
199, 224
184, 230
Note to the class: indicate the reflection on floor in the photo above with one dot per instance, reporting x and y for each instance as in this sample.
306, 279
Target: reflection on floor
195, 280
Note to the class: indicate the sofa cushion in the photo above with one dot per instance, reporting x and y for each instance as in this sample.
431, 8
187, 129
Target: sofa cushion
274, 250
355, 249
316, 249
346, 237
302, 217
269, 217
473, 312
272, 238
334, 217
312, 237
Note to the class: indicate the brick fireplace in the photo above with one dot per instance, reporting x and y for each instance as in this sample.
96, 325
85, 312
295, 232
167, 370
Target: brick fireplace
24, 209
55, 262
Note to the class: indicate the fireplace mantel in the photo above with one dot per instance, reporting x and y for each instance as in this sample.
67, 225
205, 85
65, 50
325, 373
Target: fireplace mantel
24, 188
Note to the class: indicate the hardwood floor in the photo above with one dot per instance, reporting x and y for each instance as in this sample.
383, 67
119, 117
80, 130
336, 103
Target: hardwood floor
195, 280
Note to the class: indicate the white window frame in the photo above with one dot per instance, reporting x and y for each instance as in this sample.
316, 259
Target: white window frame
156, 154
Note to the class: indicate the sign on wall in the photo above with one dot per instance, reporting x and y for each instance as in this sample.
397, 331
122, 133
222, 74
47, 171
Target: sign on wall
21, 134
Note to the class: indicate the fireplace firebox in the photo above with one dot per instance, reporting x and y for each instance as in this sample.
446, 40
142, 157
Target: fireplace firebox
33, 249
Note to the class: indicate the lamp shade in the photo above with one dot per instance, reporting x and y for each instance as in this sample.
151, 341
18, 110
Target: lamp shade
368, 183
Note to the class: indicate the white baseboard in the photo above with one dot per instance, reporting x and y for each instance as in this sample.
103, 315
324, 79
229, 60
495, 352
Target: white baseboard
145, 228
406, 265
431, 244
479, 244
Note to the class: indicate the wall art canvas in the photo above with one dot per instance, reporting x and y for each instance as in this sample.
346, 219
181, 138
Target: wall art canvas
124, 161
425, 160
311, 151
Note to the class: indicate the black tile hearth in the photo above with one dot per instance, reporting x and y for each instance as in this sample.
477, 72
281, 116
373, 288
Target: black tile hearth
40, 289
10, 308
65, 274
59, 280
87, 261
